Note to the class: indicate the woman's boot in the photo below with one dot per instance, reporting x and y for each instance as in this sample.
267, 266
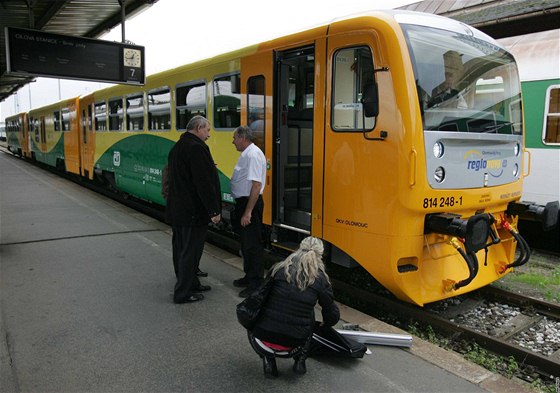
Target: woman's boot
299, 360
299, 365
269, 366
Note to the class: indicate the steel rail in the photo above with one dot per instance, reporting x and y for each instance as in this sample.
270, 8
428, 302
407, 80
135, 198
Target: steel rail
541, 306
544, 365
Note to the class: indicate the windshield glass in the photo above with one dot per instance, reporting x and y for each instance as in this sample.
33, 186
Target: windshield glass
464, 84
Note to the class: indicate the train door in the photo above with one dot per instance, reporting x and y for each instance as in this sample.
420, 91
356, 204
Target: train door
87, 137
42, 134
256, 111
25, 139
70, 120
293, 145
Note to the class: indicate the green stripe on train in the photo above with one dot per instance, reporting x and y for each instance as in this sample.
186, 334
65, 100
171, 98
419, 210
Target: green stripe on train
50, 157
138, 161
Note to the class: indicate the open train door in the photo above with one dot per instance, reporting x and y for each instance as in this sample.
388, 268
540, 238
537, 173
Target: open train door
256, 112
298, 145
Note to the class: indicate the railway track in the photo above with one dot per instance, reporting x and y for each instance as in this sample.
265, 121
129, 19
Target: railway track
446, 323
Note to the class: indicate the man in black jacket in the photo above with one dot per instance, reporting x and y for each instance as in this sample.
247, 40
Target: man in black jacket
193, 200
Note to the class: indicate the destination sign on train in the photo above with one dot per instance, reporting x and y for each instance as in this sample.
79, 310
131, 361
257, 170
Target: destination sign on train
33, 52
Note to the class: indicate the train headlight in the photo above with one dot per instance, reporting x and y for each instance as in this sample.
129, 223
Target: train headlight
516, 149
439, 174
438, 149
515, 170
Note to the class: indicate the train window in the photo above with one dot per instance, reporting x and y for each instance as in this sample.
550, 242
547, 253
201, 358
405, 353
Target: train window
256, 108
65, 119
135, 112
34, 128
353, 73
552, 116
89, 119
116, 114
56, 116
190, 101
159, 109
227, 102
100, 111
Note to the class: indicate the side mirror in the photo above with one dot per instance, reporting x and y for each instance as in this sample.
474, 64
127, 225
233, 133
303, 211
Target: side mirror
370, 100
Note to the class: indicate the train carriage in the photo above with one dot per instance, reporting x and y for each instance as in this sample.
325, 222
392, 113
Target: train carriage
396, 137
538, 58
17, 135
54, 137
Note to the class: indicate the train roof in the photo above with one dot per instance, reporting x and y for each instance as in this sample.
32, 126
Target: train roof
537, 54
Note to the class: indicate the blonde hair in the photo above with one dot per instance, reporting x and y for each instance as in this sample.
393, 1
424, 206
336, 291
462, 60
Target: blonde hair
303, 266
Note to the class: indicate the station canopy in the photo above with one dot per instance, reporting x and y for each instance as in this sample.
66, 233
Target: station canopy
497, 18
81, 18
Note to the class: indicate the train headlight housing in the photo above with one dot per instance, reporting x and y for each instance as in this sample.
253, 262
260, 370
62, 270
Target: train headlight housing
438, 150
439, 174
516, 149
515, 170
475, 230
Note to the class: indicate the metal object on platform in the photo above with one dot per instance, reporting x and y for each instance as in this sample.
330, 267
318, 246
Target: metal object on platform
389, 339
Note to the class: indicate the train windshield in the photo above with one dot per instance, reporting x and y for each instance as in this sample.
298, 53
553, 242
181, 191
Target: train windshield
464, 84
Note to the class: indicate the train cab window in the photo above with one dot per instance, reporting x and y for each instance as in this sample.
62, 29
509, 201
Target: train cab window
190, 101
552, 116
159, 109
227, 102
353, 74
135, 112
65, 119
100, 113
116, 114
56, 116
256, 108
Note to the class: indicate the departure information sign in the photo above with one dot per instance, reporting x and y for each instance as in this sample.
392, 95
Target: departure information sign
34, 52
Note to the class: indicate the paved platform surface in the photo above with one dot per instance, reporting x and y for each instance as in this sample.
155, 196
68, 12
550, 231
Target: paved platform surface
86, 306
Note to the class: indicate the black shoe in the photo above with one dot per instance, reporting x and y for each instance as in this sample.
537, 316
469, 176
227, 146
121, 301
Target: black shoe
200, 273
247, 291
299, 366
195, 297
202, 288
269, 367
241, 283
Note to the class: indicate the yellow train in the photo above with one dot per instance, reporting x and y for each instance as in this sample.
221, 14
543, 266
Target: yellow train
395, 137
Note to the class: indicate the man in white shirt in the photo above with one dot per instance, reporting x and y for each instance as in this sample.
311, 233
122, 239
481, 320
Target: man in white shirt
247, 185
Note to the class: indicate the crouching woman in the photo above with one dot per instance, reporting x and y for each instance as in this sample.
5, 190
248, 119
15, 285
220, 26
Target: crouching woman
286, 322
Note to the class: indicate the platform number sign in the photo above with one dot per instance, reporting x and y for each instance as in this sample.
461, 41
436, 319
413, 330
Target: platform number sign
133, 61
38, 53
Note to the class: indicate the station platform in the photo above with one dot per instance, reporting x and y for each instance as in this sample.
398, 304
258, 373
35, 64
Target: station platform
86, 306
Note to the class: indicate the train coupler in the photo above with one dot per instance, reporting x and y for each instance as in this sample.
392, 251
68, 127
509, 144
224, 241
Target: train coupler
547, 215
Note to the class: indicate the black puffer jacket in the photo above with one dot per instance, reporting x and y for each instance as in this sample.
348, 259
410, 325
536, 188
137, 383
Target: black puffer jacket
288, 316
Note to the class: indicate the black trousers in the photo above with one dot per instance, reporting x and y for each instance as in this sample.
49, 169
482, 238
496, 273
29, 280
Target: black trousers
188, 245
251, 240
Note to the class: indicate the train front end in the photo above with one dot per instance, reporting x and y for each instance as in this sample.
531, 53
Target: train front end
471, 165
